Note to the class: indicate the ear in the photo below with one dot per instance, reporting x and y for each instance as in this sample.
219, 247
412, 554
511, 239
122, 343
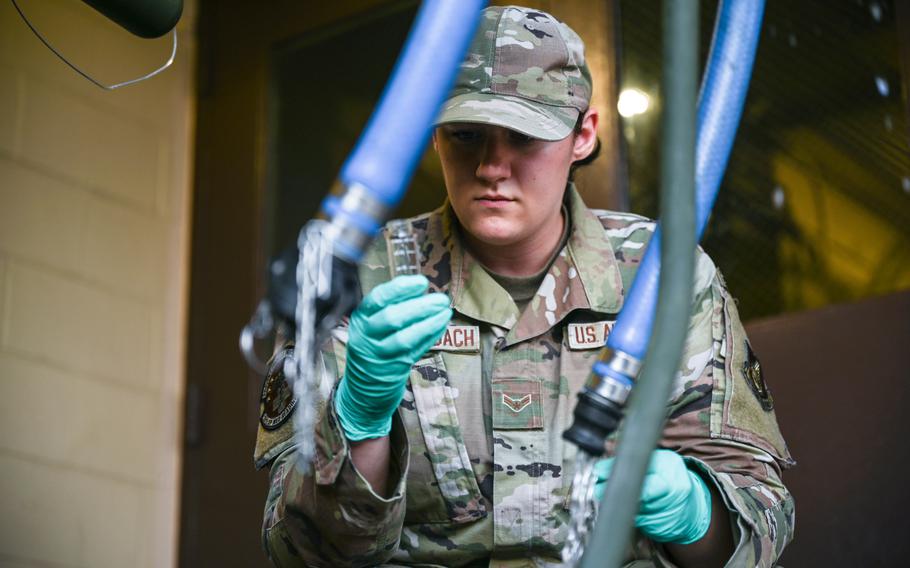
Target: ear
433, 137
587, 138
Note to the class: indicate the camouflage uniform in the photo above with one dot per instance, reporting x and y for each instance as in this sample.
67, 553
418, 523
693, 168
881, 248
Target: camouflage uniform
483, 474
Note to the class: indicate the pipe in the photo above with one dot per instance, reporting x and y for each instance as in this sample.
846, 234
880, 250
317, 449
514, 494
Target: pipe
648, 401
376, 174
719, 110
144, 18
723, 94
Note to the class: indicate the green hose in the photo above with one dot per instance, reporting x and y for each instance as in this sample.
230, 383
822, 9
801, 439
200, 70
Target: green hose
640, 432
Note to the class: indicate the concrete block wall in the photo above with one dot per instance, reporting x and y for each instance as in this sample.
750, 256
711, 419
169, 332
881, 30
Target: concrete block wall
94, 258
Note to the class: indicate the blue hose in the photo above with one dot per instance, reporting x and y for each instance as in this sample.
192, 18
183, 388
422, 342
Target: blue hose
723, 94
390, 147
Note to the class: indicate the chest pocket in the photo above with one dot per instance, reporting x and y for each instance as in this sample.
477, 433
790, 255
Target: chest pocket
441, 483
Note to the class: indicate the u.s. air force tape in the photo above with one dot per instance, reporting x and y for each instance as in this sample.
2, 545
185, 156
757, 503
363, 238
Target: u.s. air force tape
590, 335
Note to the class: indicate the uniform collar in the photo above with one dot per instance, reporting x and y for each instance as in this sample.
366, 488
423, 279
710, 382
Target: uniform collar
584, 275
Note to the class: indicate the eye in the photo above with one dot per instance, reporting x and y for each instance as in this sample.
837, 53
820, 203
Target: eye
519, 139
465, 135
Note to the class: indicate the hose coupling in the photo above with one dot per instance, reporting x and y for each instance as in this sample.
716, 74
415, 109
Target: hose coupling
357, 216
602, 401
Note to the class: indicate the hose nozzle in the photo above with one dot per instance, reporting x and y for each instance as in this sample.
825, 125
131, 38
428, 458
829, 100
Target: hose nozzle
602, 400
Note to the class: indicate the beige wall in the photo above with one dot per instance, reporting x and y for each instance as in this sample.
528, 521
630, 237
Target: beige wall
94, 256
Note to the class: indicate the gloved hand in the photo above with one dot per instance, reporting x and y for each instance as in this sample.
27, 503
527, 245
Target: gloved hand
394, 325
675, 502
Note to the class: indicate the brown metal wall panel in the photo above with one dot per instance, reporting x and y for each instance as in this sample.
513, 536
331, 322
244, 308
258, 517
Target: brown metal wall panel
840, 384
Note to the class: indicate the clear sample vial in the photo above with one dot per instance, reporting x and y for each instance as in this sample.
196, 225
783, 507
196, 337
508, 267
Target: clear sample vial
404, 257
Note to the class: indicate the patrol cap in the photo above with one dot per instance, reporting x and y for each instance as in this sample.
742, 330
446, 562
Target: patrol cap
524, 70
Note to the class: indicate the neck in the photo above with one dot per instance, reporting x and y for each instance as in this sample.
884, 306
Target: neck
523, 258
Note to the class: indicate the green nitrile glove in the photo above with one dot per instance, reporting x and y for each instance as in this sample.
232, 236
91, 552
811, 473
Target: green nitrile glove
675, 501
394, 325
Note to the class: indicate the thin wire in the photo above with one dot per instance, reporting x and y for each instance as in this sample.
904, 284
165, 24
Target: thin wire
86, 75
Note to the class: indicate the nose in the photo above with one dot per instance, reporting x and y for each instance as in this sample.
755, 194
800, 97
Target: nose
495, 159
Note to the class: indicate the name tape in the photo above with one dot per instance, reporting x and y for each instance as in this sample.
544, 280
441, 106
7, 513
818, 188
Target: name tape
462, 338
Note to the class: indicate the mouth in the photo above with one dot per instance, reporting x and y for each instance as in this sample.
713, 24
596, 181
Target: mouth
494, 199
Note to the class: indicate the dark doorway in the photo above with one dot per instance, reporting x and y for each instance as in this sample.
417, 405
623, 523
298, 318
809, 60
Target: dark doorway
271, 134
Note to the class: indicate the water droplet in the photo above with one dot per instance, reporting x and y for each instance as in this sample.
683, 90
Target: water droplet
876, 10
882, 85
906, 184
777, 197
791, 39
889, 124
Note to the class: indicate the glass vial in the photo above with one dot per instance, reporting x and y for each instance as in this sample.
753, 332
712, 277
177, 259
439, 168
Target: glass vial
404, 257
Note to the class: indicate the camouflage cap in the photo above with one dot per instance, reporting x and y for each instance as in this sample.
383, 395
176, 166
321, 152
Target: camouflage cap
526, 71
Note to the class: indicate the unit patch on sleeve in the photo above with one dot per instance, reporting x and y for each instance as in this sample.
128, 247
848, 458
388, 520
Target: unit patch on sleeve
461, 338
591, 335
756, 379
277, 399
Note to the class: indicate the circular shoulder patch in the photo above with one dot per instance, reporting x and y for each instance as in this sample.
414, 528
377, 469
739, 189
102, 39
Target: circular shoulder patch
277, 400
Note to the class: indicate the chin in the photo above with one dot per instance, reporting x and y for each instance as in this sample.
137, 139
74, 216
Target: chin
496, 234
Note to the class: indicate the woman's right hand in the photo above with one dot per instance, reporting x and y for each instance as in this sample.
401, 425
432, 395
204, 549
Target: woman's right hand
394, 325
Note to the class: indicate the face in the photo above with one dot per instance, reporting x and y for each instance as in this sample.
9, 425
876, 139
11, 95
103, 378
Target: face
506, 187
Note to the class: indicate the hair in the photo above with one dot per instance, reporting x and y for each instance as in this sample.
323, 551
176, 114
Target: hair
590, 157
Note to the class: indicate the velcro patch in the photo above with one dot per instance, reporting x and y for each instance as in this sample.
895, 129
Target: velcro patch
517, 404
461, 338
589, 335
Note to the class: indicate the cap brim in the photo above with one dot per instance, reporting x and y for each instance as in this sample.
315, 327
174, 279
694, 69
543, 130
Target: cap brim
532, 119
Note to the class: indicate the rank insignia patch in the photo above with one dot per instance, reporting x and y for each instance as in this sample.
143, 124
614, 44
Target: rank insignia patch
277, 399
517, 404
754, 376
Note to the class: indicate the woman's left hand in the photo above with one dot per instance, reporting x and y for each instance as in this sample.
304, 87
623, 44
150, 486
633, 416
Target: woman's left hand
675, 502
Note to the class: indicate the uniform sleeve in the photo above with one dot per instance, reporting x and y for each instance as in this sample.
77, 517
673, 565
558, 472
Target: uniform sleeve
326, 513
722, 422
